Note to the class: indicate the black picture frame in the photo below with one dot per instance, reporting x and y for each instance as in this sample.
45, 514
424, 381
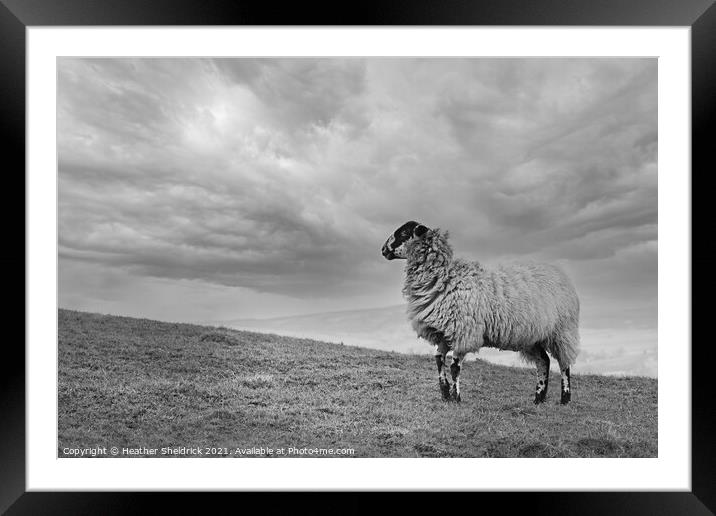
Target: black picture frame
17, 15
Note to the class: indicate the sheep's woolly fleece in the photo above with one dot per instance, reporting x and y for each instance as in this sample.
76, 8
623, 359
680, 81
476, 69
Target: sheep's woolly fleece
512, 307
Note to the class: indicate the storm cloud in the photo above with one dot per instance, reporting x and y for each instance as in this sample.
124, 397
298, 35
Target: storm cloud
250, 187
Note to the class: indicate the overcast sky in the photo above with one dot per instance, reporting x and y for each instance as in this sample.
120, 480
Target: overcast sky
200, 189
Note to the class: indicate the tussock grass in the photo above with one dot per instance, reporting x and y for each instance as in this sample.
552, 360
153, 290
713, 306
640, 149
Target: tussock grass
134, 382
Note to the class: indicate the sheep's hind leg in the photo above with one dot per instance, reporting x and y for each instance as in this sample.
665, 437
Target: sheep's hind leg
440, 353
542, 376
566, 386
455, 372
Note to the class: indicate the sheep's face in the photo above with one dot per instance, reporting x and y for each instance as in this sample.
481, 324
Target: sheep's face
394, 247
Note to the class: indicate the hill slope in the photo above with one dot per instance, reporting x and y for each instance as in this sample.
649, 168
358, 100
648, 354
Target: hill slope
139, 383
605, 349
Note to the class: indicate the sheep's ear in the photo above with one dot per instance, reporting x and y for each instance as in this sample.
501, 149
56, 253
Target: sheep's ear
420, 230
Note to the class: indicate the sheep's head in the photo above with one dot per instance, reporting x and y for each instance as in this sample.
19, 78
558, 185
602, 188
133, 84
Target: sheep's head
394, 247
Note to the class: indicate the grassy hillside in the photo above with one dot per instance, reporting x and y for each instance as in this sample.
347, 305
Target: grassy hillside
138, 383
606, 348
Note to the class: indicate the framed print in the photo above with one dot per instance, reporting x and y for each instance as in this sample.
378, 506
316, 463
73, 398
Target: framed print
218, 264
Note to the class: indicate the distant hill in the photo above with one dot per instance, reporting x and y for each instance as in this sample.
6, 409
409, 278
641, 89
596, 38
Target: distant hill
628, 351
145, 385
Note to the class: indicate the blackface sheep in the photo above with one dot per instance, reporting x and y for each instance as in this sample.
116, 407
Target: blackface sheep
461, 306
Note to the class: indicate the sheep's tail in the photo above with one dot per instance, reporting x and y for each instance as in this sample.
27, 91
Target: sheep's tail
564, 343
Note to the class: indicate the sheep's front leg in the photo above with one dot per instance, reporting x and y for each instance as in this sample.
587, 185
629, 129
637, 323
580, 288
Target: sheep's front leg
542, 377
455, 372
440, 353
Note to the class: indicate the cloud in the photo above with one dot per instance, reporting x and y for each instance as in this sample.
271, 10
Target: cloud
298, 92
284, 176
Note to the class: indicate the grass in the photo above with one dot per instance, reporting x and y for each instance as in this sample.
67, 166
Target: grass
139, 383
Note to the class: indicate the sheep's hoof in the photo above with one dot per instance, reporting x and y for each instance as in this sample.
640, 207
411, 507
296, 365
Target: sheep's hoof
454, 395
540, 397
566, 397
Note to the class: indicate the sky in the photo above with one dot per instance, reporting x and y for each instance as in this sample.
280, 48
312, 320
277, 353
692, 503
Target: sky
216, 189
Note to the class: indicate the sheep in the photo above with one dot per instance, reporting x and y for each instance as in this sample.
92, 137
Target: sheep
460, 306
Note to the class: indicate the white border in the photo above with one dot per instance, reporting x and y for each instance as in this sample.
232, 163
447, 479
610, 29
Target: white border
671, 471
